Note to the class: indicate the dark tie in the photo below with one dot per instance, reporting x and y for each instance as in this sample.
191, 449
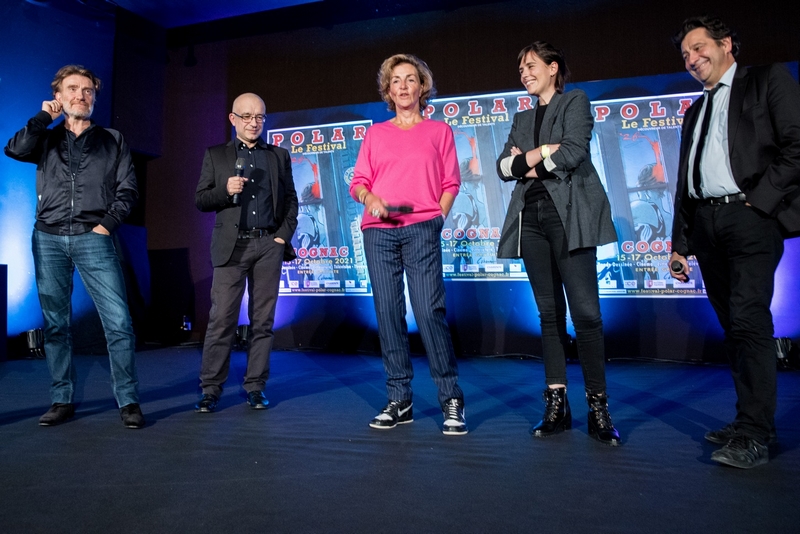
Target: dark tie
701, 140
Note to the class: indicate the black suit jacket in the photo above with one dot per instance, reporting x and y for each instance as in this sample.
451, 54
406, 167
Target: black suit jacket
212, 195
764, 149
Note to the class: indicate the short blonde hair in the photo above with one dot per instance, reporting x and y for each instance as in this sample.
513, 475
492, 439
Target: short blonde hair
425, 78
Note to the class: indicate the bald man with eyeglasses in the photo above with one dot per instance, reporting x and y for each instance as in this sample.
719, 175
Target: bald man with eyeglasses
248, 183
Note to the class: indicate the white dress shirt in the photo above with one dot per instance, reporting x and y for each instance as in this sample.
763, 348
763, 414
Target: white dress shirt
715, 166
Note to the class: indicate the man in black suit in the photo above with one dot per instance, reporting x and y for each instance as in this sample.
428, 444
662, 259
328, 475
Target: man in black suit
256, 217
737, 198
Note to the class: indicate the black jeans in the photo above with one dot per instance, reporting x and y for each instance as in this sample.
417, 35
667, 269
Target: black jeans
257, 262
738, 250
552, 270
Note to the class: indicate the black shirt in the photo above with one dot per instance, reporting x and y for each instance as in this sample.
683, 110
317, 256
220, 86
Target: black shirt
256, 198
537, 190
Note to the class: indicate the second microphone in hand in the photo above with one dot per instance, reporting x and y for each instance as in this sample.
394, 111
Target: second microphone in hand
239, 169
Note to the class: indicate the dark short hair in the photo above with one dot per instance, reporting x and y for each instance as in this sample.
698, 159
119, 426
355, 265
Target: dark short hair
69, 70
425, 78
549, 53
716, 29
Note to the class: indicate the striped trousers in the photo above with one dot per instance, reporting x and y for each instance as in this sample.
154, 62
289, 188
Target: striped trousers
415, 250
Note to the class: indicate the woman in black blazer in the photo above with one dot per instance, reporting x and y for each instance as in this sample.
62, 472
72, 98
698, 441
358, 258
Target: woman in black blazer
558, 215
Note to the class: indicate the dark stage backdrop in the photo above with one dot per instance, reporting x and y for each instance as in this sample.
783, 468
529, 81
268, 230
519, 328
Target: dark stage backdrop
472, 51
35, 42
36, 39
634, 147
171, 109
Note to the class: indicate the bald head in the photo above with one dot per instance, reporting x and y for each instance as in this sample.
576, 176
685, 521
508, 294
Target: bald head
247, 117
246, 101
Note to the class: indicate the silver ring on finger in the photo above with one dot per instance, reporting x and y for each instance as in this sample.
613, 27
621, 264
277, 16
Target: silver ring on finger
375, 213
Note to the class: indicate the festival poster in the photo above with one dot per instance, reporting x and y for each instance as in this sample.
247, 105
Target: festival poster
472, 229
328, 242
635, 147
635, 144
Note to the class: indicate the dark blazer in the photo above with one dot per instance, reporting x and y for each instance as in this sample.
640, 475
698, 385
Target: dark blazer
764, 148
212, 195
577, 193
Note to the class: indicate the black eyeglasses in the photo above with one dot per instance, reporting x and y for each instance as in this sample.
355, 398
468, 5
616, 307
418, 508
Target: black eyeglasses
247, 117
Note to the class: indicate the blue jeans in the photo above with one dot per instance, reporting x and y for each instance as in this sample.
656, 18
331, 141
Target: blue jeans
553, 269
416, 250
55, 258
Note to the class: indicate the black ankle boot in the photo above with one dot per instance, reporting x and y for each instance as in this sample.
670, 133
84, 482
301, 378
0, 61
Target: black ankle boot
557, 415
600, 426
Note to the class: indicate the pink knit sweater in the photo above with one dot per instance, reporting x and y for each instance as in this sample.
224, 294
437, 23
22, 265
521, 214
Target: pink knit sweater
412, 167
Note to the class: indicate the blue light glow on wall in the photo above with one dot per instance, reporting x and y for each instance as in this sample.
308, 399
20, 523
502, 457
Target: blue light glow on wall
35, 41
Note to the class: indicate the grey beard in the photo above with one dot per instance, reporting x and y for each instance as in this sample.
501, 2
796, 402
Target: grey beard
79, 116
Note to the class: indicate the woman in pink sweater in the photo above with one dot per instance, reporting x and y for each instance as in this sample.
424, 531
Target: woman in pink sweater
407, 177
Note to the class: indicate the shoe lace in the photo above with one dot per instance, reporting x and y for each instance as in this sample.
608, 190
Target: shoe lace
392, 408
726, 432
552, 406
601, 416
741, 441
453, 411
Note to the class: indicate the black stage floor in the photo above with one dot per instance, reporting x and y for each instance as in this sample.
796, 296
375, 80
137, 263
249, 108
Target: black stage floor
310, 463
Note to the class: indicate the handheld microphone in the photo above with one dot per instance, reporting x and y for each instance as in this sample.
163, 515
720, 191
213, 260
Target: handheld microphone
402, 208
676, 267
240, 163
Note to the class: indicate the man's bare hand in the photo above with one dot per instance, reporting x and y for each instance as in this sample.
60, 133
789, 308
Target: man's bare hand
236, 184
53, 107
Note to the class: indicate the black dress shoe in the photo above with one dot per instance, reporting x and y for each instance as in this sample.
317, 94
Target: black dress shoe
600, 426
726, 433
257, 400
57, 414
131, 415
742, 452
557, 415
207, 403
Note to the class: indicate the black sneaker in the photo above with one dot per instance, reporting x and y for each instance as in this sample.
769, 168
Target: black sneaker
742, 452
454, 422
721, 436
396, 412
57, 414
257, 400
132, 416
726, 433
207, 403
